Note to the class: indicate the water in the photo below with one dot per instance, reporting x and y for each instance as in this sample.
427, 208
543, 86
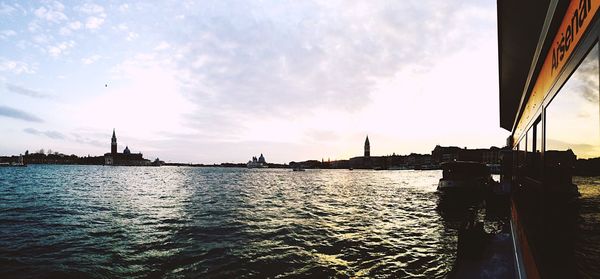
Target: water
96, 221
587, 245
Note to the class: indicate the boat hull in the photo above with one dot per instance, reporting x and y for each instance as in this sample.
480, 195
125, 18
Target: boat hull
462, 192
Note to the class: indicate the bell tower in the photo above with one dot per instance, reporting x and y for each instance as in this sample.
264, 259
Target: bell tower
113, 145
367, 147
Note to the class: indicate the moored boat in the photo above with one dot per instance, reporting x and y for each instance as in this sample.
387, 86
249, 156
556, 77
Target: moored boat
464, 180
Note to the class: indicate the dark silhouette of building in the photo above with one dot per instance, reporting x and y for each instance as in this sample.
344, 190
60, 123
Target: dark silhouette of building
113, 145
123, 159
259, 162
442, 154
367, 147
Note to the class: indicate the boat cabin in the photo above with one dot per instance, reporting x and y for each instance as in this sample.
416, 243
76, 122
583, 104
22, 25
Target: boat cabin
458, 170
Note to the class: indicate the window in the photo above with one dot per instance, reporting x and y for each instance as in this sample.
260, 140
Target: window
529, 141
535, 154
538, 136
573, 117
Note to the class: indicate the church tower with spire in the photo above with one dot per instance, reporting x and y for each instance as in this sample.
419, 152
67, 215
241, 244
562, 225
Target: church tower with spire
367, 147
127, 158
113, 146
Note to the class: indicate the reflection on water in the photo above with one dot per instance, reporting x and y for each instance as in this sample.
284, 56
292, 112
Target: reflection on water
587, 248
214, 222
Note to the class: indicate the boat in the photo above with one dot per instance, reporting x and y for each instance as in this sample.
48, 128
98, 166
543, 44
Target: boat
548, 54
464, 179
298, 168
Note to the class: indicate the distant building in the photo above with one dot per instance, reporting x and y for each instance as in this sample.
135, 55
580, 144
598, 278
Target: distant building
416, 160
259, 162
367, 147
123, 159
442, 154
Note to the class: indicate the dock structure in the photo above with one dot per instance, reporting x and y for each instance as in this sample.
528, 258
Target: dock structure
549, 80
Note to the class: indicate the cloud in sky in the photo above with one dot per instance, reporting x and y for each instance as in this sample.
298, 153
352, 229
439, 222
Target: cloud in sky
25, 91
263, 57
5, 34
95, 15
91, 59
16, 67
50, 134
75, 137
53, 12
18, 114
60, 48
6, 9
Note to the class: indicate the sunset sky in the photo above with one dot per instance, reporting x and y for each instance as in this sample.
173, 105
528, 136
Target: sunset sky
222, 81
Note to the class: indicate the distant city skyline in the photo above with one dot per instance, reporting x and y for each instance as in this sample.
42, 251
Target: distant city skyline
221, 81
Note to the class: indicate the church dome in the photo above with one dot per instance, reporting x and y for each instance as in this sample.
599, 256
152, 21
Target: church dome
126, 150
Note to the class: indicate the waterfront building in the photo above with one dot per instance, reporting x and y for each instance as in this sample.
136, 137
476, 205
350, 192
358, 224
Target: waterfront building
259, 162
418, 160
123, 159
441, 154
549, 101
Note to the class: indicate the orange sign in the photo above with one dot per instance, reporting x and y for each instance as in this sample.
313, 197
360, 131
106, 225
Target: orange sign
578, 17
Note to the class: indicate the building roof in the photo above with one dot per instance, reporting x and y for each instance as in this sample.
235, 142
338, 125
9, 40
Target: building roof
522, 30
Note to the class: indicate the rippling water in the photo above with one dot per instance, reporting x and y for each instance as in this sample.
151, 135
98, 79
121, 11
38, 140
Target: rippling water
96, 221
587, 245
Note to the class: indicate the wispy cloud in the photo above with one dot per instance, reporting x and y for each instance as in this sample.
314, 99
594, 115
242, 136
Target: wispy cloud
162, 46
16, 67
4, 34
86, 140
95, 15
91, 8
70, 27
123, 7
132, 36
25, 91
53, 12
91, 59
61, 48
71, 137
18, 114
587, 77
6, 9
50, 134
94, 22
